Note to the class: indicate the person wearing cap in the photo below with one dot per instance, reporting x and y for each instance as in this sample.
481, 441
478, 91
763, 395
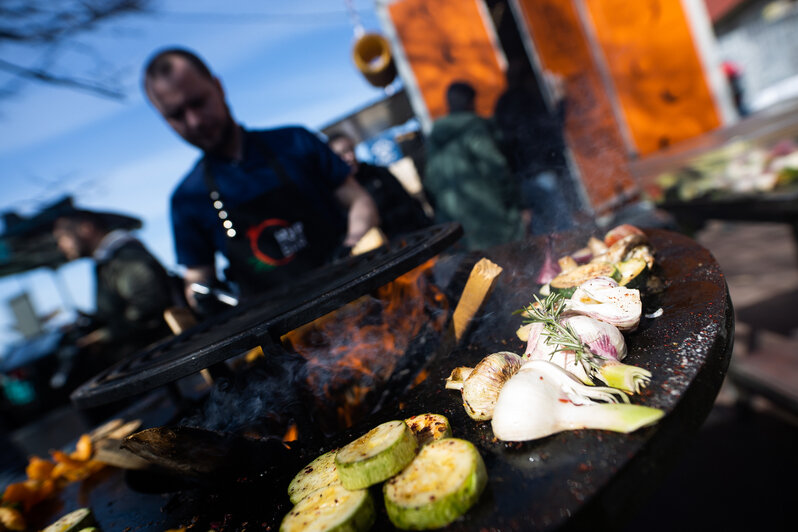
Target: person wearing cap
467, 176
132, 287
399, 212
275, 203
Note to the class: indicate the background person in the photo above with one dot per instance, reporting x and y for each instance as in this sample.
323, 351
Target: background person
399, 212
132, 288
268, 200
468, 178
533, 141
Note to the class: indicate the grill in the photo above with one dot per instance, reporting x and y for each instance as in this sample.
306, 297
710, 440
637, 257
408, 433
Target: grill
572, 480
262, 319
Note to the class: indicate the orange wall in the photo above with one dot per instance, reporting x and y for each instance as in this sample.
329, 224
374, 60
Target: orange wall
445, 41
655, 69
591, 129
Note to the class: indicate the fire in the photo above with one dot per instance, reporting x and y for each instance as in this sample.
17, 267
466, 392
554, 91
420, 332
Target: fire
352, 351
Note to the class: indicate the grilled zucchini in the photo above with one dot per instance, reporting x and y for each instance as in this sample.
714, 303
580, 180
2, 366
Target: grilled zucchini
441, 484
77, 520
376, 456
317, 474
634, 273
331, 508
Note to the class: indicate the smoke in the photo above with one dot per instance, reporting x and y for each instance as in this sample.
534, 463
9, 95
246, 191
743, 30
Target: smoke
263, 400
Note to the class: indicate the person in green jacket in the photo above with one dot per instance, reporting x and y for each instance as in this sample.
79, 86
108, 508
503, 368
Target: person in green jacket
468, 178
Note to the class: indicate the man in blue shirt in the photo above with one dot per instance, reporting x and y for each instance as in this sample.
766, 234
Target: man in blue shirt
276, 202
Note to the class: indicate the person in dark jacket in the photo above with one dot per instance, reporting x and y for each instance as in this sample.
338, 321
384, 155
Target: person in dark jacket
468, 178
399, 212
533, 141
132, 287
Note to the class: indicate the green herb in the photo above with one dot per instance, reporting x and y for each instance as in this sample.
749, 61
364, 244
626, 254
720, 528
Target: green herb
562, 336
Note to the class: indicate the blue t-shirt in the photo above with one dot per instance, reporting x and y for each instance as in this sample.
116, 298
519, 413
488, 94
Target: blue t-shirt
309, 162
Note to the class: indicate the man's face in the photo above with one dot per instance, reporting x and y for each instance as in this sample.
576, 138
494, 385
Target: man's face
70, 237
193, 106
344, 148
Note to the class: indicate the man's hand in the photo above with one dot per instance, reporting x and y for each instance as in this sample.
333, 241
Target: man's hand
197, 274
362, 211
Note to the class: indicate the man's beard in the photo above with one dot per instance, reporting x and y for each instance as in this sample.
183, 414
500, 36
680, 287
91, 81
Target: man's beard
225, 139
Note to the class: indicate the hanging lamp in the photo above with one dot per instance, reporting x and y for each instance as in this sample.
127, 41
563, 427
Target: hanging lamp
371, 53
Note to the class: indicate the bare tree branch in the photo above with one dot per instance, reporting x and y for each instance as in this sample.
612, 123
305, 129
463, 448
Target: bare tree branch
47, 77
41, 27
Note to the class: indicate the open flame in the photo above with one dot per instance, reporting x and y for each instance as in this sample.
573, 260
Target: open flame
351, 352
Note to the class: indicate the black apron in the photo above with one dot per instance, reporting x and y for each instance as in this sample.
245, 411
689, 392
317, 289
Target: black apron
275, 237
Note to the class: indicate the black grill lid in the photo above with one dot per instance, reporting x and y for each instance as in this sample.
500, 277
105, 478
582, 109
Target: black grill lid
263, 318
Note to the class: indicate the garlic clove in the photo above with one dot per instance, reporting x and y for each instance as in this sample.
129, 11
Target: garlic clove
456, 378
482, 386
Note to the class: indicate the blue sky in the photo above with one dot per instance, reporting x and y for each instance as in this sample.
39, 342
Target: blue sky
280, 63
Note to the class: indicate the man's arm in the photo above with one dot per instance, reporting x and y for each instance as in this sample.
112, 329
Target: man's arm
362, 211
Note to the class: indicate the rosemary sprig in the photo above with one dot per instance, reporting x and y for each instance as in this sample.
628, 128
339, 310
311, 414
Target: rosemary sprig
562, 336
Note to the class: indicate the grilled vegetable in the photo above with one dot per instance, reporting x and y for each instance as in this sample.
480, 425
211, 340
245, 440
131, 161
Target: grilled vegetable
596, 246
481, 387
634, 273
567, 263
11, 519
429, 427
642, 252
73, 521
331, 508
566, 283
587, 348
603, 299
319, 473
441, 484
376, 456
457, 377
621, 231
542, 399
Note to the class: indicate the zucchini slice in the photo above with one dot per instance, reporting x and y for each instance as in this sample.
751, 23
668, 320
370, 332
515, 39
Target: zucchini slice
332, 508
376, 456
73, 521
441, 484
567, 282
633, 273
429, 427
317, 474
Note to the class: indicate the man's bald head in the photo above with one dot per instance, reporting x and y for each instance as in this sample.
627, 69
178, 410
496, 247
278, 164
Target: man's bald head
161, 65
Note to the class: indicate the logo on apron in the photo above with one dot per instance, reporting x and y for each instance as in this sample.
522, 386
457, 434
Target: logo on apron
290, 239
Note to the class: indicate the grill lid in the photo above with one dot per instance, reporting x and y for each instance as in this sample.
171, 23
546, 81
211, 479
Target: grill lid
263, 318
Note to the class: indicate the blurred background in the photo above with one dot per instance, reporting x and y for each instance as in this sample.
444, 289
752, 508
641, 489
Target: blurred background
682, 114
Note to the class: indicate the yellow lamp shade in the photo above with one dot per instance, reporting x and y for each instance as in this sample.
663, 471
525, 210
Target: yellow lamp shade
372, 55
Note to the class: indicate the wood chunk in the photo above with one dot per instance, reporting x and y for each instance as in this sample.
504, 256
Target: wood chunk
179, 319
105, 429
110, 452
373, 239
477, 288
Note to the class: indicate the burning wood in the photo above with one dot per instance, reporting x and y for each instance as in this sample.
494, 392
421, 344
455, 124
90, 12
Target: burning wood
478, 286
352, 352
